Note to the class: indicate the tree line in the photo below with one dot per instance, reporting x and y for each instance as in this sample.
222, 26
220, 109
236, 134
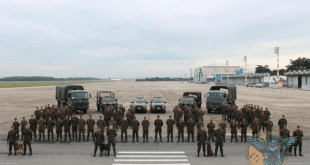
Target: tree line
165, 79
43, 78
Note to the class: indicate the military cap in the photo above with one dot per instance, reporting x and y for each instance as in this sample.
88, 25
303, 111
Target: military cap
298, 126
100, 116
89, 115
31, 115
23, 117
157, 115
283, 115
15, 118
170, 116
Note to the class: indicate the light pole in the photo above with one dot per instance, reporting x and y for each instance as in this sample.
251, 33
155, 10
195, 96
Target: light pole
227, 78
245, 70
276, 51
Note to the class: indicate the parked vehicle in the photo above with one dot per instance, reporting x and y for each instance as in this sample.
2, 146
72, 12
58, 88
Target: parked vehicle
157, 104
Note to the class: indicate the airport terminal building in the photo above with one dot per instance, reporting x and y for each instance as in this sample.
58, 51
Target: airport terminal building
208, 74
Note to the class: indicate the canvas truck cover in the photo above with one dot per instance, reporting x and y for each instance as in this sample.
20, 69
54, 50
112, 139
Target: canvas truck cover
232, 91
197, 93
62, 90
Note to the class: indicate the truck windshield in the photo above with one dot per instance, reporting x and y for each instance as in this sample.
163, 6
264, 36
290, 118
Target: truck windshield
188, 99
81, 95
139, 101
108, 99
216, 95
158, 101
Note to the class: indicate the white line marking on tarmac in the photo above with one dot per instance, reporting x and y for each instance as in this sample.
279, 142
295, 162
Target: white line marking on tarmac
151, 160
152, 164
150, 156
151, 152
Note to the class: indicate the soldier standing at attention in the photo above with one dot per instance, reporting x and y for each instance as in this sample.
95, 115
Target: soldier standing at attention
223, 127
129, 118
50, 129
255, 126
107, 115
211, 127
262, 121
124, 127
74, 121
33, 126
90, 127
27, 140
111, 139
11, 139
115, 116
98, 139
113, 123
101, 123
37, 113
158, 125
41, 124
201, 140
224, 111
81, 123
233, 128
285, 133
180, 126
298, 143
244, 129
135, 129
120, 115
170, 124
23, 124
282, 122
269, 125
145, 124
267, 114
59, 125
199, 124
190, 129
67, 125
218, 133
16, 127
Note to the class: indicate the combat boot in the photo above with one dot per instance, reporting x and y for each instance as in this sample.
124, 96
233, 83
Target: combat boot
94, 154
30, 152
300, 154
222, 155
70, 138
295, 153
35, 138
161, 140
168, 140
147, 139
10, 153
193, 140
188, 139
24, 153
43, 138
100, 153
215, 153
143, 140
52, 137
197, 153
171, 139
204, 153
114, 153
108, 153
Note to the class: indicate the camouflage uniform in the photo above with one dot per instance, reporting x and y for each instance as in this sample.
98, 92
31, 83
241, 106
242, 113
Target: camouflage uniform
129, 118
27, 141
211, 127
59, 125
201, 141
124, 127
90, 128
190, 129
298, 143
50, 129
244, 128
11, 139
281, 123
145, 124
23, 124
233, 127
111, 140
219, 134
81, 123
158, 125
223, 127
41, 124
135, 130
67, 125
74, 121
180, 126
33, 127
170, 124
16, 128
98, 139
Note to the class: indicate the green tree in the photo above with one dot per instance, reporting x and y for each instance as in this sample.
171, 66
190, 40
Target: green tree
299, 64
274, 72
262, 69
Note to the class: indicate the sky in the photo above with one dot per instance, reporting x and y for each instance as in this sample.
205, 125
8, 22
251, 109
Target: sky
137, 39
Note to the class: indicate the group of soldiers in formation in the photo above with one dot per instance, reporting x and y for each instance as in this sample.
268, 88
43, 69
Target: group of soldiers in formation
114, 119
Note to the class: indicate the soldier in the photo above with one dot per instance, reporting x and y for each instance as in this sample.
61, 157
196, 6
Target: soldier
180, 126
33, 126
11, 139
37, 113
113, 123
285, 133
211, 127
158, 125
81, 123
223, 127
179, 114
120, 115
98, 139
107, 115
27, 140
201, 140
262, 121
16, 128
101, 123
233, 128
254, 127
199, 124
269, 125
50, 129
129, 118
67, 125
145, 124
244, 129
190, 129
135, 129
224, 111
59, 125
74, 121
282, 122
200, 115
41, 124
115, 116
70, 111
299, 135
170, 124
239, 118
218, 133
111, 139
23, 124
90, 127
267, 114
190, 115
124, 127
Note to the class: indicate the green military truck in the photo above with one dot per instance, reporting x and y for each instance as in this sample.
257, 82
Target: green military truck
189, 98
105, 99
220, 95
74, 95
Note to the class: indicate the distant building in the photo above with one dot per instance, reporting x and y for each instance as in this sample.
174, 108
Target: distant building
298, 79
215, 73
274, 79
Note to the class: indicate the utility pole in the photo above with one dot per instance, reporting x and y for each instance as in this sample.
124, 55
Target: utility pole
227, 79
276, 51
245, 71
191, 73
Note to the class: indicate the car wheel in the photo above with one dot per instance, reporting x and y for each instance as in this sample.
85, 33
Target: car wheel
209, 110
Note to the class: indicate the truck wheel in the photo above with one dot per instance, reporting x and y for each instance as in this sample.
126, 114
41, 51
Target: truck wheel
209, 110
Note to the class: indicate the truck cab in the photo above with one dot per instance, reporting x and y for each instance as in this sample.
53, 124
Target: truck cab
105, 99
218, 96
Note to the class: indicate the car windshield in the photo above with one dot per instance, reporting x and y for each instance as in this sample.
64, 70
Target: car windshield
81, 95
139, 101
108, 99
216, 95
188, 99
158, 101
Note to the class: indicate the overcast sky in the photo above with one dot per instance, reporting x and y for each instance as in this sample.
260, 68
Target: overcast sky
132, 39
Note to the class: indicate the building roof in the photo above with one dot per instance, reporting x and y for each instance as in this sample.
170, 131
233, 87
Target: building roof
298, 73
